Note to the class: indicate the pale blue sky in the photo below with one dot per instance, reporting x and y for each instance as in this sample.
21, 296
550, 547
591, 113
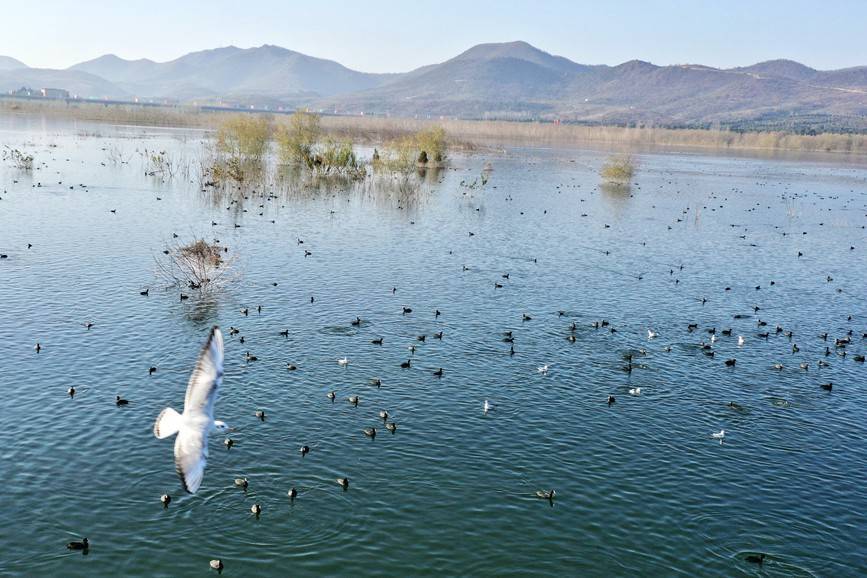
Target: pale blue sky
395, 36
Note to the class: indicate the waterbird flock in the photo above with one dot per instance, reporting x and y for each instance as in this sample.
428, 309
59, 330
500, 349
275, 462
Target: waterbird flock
785, 349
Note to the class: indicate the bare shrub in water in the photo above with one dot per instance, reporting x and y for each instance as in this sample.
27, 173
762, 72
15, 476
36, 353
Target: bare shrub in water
619, 169
21, 160
197, 265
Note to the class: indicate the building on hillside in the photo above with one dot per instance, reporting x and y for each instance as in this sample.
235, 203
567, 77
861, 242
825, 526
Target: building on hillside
53, 93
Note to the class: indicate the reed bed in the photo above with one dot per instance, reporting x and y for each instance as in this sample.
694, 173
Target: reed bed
462, 134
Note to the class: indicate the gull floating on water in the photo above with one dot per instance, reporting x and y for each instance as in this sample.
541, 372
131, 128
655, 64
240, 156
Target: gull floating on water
651, 334
543, 369
195, 423
487, 407
635, 391
343, 362
740, 340
720, 435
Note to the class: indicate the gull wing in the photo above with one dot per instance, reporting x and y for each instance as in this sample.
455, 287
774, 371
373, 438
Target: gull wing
205, 380
191, 456
191, 445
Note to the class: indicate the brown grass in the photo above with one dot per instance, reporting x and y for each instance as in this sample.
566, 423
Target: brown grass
462, 133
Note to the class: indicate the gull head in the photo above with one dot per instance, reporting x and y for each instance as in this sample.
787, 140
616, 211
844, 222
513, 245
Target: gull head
222, 427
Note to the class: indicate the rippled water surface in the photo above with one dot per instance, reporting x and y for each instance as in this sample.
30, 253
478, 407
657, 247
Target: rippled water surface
641, 487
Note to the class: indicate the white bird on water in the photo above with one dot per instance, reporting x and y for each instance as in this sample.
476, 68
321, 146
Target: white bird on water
635, 391
487, 407
343, 362
721, 436
194, 425
740, 340
651, 334
543, 369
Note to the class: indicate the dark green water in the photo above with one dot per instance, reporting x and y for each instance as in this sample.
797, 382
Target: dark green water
642, 488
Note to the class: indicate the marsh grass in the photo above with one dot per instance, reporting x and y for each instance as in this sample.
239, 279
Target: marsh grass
300, 141
244, 137
461, 134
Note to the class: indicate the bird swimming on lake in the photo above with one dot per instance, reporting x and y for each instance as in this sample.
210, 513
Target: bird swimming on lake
438, 372
344, 483
249, 357
377, 341
611, 400
756, 559
635, 391
391, 426
304, 450
256, 509
343, 362
731, 362
165, 499
37, 347
197, 420
740, 340
651, 334
543, 369
406, 364
216, 565
546, 494
356, 321
370, 432
383, 414
292, 493
353, 399
83, 545
332, 396
827, 386
487, 407
118, 400
291, 367
720, 435
260, 413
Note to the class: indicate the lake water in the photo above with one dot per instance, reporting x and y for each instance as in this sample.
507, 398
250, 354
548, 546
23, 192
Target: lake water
641, 486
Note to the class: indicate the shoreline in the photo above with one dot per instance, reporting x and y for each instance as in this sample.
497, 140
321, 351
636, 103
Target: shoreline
462, 134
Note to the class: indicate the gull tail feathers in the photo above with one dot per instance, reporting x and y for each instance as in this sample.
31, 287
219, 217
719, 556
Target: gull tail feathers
168, 423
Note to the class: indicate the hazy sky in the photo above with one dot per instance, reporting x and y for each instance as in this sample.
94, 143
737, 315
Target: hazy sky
394, 36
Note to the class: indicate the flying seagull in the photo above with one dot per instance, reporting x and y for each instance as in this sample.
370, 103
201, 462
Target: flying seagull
193, 426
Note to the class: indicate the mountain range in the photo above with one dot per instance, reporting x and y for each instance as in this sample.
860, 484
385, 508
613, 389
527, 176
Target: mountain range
505, 80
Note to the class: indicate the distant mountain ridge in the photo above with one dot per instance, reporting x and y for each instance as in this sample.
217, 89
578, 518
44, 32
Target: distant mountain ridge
512, 80
9, 63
